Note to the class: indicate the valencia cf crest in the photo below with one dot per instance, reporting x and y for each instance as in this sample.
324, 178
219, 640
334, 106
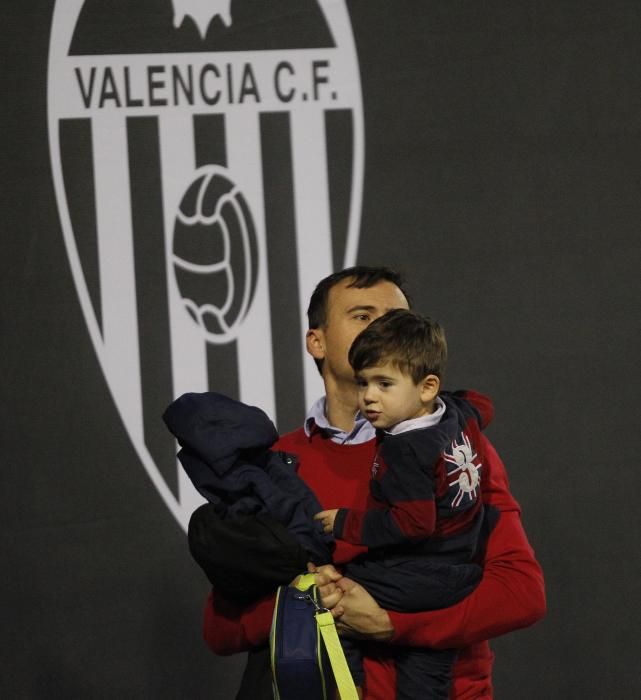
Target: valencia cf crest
207, 158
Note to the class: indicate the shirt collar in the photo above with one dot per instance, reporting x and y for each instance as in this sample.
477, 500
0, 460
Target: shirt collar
426, 421
316, 421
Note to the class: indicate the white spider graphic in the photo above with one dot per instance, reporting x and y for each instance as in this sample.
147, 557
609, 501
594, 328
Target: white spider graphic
468, 479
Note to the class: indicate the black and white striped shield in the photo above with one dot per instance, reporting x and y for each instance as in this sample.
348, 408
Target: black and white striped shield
208, 168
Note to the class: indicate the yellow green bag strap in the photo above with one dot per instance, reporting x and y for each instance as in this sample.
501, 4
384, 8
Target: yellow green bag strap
342, 675
327, 627
305, 581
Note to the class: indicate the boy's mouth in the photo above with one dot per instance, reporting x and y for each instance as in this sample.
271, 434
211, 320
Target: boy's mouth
372, 415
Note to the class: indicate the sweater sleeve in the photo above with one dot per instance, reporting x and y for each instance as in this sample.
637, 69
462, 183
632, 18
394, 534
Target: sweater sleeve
229, 628
511, 594
403, 507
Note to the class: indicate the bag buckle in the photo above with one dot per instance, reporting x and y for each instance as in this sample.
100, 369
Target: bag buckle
319, 608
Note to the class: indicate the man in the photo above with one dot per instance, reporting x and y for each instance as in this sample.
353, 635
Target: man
335, 450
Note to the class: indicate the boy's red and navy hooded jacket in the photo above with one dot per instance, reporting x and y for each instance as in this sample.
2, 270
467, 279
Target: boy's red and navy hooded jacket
424, 524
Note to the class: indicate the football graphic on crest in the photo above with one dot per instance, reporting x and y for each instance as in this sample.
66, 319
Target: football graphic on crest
215, 254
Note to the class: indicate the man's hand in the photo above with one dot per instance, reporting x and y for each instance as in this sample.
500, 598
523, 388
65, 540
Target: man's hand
358, 615
327, 517
326, 577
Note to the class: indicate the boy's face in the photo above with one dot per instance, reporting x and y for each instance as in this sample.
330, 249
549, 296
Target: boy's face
387, 396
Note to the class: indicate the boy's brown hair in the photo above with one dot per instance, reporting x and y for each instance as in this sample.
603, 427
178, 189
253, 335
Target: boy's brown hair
415, 344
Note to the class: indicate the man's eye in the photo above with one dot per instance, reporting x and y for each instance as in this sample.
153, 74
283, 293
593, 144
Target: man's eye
362, 317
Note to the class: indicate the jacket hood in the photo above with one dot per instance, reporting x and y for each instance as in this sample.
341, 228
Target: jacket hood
219, 429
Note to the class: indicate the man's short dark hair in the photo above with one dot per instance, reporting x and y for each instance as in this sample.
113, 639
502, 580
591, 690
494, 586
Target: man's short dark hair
362, 277
415, 344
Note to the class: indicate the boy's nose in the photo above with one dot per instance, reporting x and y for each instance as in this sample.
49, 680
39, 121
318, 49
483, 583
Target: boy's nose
368, 397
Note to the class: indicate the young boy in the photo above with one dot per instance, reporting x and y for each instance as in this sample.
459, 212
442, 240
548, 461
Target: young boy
424, 517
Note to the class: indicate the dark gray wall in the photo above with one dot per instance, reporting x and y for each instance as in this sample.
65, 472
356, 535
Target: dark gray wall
502, 175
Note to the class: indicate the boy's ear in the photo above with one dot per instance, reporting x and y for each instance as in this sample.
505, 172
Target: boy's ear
430, 386
315, 341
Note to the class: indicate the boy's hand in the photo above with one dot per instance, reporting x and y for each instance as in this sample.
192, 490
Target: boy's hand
327, 517
324, 574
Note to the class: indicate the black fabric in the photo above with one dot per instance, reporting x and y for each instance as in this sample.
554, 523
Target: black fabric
245, 557
491, 515
421, 675
257, 678
415, 584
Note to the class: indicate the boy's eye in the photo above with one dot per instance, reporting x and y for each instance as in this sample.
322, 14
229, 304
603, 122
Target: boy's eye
385, 384
361, 383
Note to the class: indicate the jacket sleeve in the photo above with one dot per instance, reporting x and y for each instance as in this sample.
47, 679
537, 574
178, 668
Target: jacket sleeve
511, 594
230, 629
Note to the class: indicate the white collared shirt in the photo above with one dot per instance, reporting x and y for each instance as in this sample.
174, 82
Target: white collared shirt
426, 421
363, 430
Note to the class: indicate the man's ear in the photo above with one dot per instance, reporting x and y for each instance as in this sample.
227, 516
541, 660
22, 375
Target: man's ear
315, 341
430, 386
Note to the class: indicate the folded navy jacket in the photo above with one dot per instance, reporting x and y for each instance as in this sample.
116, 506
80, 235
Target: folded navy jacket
225, 451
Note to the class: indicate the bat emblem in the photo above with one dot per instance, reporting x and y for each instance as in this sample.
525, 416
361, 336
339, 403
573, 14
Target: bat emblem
202, 12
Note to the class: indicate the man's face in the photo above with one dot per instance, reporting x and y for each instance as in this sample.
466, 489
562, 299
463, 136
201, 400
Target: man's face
387, 396
349, 311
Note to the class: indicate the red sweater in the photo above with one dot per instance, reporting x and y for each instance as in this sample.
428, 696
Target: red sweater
511, 594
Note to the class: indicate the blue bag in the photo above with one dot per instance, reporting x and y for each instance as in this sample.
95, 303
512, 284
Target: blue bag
300, 664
